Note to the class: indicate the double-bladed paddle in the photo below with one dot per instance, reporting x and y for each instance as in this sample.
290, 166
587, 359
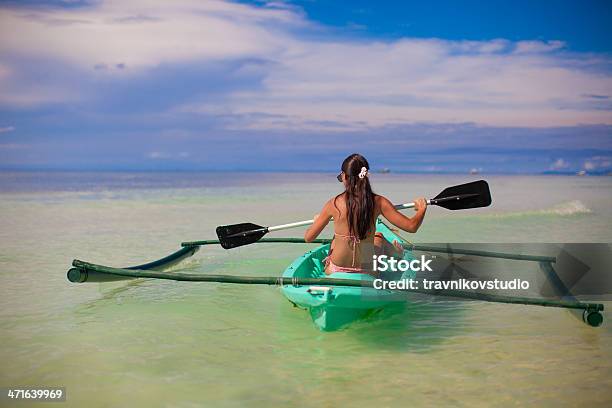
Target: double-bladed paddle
461, 197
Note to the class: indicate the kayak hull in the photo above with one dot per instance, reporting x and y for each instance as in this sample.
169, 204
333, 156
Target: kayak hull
332, 308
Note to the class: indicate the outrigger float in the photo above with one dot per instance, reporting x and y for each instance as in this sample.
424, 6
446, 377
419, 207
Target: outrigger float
334, 301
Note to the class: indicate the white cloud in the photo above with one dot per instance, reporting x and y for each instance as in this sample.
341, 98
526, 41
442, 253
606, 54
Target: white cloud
311, 82
22, 94
157, 155
523, 47
7, 129
598, 163
145, 33
414, 80
559, 164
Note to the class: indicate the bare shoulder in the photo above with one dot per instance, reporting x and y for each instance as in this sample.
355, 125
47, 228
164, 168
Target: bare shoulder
333, 203
336, 204
382, 201
337, 200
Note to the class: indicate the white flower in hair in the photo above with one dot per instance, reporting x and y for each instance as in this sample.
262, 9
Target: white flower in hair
363, 172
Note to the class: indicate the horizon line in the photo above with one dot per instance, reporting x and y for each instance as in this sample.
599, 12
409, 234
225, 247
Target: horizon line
292, 171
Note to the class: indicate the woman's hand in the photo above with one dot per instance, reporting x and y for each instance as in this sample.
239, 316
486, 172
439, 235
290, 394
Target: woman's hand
420, 205
408, 224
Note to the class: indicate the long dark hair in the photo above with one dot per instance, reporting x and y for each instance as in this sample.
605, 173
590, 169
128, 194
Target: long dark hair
359, 196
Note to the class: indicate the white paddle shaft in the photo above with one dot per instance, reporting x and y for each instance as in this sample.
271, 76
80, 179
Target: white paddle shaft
290, 225
408, 205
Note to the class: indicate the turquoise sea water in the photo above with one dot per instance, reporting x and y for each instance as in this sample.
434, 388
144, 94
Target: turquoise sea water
152, 343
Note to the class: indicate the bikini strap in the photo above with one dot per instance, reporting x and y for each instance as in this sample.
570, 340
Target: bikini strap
355, 240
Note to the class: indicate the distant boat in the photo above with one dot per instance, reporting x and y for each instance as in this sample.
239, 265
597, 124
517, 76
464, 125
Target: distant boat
474, 171
581, 173
385, 170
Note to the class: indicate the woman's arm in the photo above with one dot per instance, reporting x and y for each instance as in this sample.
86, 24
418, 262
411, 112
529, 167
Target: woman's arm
400, 220
320, 222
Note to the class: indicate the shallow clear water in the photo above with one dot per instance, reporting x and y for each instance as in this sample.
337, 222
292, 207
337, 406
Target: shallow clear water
190, 344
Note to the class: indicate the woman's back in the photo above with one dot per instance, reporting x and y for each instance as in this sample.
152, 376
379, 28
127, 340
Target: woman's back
347, 249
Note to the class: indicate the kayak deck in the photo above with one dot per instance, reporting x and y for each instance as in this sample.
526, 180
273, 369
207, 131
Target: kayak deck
332, 308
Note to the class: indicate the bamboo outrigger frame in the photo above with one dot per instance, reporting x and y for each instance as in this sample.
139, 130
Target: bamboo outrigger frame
82, 272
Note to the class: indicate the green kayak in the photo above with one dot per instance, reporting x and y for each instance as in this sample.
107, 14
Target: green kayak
332, 308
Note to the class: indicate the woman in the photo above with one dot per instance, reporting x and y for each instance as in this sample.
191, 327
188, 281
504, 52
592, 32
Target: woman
354, 213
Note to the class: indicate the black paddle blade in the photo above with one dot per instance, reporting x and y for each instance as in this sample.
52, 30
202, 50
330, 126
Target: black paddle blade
232, 236
470, 195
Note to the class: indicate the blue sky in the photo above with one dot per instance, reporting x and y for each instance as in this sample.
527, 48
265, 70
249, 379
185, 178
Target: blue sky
444, 86
583, 25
